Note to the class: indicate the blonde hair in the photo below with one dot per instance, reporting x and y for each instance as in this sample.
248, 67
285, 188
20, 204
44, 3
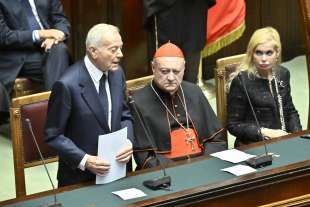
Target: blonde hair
260, 36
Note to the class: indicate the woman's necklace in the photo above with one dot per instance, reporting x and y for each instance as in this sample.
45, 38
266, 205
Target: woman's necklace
280, 102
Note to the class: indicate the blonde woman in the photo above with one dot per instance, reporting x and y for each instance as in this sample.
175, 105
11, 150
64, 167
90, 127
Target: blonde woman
264, 84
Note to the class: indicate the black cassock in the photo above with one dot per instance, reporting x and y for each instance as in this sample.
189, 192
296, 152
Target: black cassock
183, 22
155, 118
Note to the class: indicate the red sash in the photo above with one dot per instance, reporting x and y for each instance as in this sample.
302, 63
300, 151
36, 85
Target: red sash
184, 142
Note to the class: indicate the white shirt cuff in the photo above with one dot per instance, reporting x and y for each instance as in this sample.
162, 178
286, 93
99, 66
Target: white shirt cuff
35, 36
83, 162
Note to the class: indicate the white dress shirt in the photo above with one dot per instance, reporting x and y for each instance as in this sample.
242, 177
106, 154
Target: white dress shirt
96, 75
35, 33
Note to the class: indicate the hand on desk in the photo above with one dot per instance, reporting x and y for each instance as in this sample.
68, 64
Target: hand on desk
273, 133
97, 165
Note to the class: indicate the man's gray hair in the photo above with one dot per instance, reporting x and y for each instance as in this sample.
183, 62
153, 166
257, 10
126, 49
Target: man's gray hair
97, 33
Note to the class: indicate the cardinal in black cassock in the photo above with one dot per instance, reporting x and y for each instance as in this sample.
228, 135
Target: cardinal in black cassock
178, 118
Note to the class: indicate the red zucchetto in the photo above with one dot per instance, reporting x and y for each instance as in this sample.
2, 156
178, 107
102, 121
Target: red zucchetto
168, 50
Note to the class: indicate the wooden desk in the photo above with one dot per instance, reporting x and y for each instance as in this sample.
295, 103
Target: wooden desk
201, 183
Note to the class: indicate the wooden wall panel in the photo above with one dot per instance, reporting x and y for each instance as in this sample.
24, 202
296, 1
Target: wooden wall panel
85, 15
127, 15
281, 14
68, 5
295, 44
284, 16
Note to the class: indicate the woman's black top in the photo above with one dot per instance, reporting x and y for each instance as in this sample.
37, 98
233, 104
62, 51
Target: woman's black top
240, 119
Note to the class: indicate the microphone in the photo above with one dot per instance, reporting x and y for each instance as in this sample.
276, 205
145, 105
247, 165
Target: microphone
158, 183
305, 136
264, 159
55, 203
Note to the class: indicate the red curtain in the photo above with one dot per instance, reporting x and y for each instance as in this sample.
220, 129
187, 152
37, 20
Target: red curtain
226, 23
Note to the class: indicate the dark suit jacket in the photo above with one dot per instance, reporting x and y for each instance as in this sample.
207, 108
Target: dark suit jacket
75, 119
15, 37
240, 119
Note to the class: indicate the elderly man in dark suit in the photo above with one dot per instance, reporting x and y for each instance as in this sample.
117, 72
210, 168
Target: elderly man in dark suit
88, 101
31, 42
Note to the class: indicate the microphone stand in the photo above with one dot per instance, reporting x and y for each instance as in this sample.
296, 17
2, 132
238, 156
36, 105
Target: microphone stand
55, 204
158, 183
264, 159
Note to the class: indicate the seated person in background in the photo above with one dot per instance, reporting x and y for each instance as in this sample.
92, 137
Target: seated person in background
176, 113
31, 43
88, 101
268, 87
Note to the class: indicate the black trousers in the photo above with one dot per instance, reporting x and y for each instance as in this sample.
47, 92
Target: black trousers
192, 60
45, 67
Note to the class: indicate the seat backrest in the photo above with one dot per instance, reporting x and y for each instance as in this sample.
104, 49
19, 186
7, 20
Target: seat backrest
304, 6
133, 85
224, 67
25, 86
34, 108
138, 83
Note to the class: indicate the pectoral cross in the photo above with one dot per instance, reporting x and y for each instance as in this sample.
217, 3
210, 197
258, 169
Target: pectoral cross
190, 140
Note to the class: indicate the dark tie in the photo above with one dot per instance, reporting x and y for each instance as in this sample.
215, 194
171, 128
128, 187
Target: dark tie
104, 97
32, 22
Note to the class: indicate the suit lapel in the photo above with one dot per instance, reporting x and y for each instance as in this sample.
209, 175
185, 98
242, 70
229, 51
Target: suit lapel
90, 96
39, 7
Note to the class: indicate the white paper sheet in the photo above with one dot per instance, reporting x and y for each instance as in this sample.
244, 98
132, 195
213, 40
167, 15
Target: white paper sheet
129, 193
108, 147
232, 155
239, 169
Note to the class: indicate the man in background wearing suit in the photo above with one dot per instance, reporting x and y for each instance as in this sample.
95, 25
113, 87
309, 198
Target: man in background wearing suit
88, 101
31, 44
